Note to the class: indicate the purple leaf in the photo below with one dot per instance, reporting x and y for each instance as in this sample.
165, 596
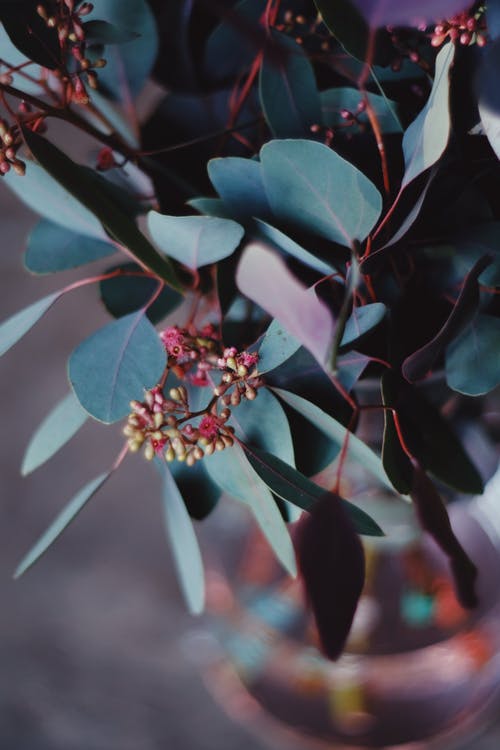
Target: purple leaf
434, 518
418, 364
264, 277
332, 567
408, 12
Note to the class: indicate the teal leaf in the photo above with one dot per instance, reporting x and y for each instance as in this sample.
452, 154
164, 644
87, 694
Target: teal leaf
199, 493
264, 277
129, 65
95, 193
195, 241
184, 544
47, 197
263, 424
351, 29
287, 89
124, 294
16, 59
14, 328
289, 484
53, 248
427, 137
280, 240
233, 44
211, 207
361, 321
103, 32
57, 428
356, 449
67, 515
334, 101
315, 189
231, 470
239, 183
472, 361
115, 364
277, 346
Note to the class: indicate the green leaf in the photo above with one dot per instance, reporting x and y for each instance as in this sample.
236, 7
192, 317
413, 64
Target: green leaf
67, 515
122, 295
334, 101
287, 89
50, 199
29, 33
361, 321
290, 247
231, 470
356, 449
14, 328
199, 493
184, 544
102, 32
291, 485
128, 66
16, 59
233, 44
427, 137
277, 346
195, 241
115, 364
239, 183
351, 29
57, 428
93, 192
52, 248
472, 361
211, 207
315, 189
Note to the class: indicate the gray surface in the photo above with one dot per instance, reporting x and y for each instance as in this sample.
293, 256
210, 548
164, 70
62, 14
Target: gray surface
91, 653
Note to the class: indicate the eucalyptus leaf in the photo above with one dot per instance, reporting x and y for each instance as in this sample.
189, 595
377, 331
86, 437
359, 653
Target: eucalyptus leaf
361, 321
356, 448
115, 364
287, 89
102, 32
315, 189
195, 241
240, 185
59, 426
231, 470
263, 277
15, 327
276, 347
426, 138
233, 44
472, 361
53, 248
288, 483
67, 515
281, 241
342, 98
184, 544
127, 293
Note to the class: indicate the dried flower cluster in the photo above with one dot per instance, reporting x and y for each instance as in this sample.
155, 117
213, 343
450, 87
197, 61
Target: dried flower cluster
166, 426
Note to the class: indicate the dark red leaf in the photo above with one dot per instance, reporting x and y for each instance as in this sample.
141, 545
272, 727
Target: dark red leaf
418, 364
434, 518
332, 565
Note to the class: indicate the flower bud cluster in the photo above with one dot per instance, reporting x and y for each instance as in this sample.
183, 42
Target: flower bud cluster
10, 141
160, 426
66, 17
464, 28
166, 426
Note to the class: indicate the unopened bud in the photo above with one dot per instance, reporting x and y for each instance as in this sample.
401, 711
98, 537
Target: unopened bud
209, 449
149, 452
231, 363
170, 454
219, 444
158, 419
190, 459
198, 453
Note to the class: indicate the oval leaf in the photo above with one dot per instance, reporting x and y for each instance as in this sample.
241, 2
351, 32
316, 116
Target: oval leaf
277, 346
361, 321
427, 137
115, 364
289, 246
233, 473
263, 277
14, 328
332, 565
287, 89
53, 248
195, 241
184, 544
56, 429
60, 523
472, 361
240, 185
313, 188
